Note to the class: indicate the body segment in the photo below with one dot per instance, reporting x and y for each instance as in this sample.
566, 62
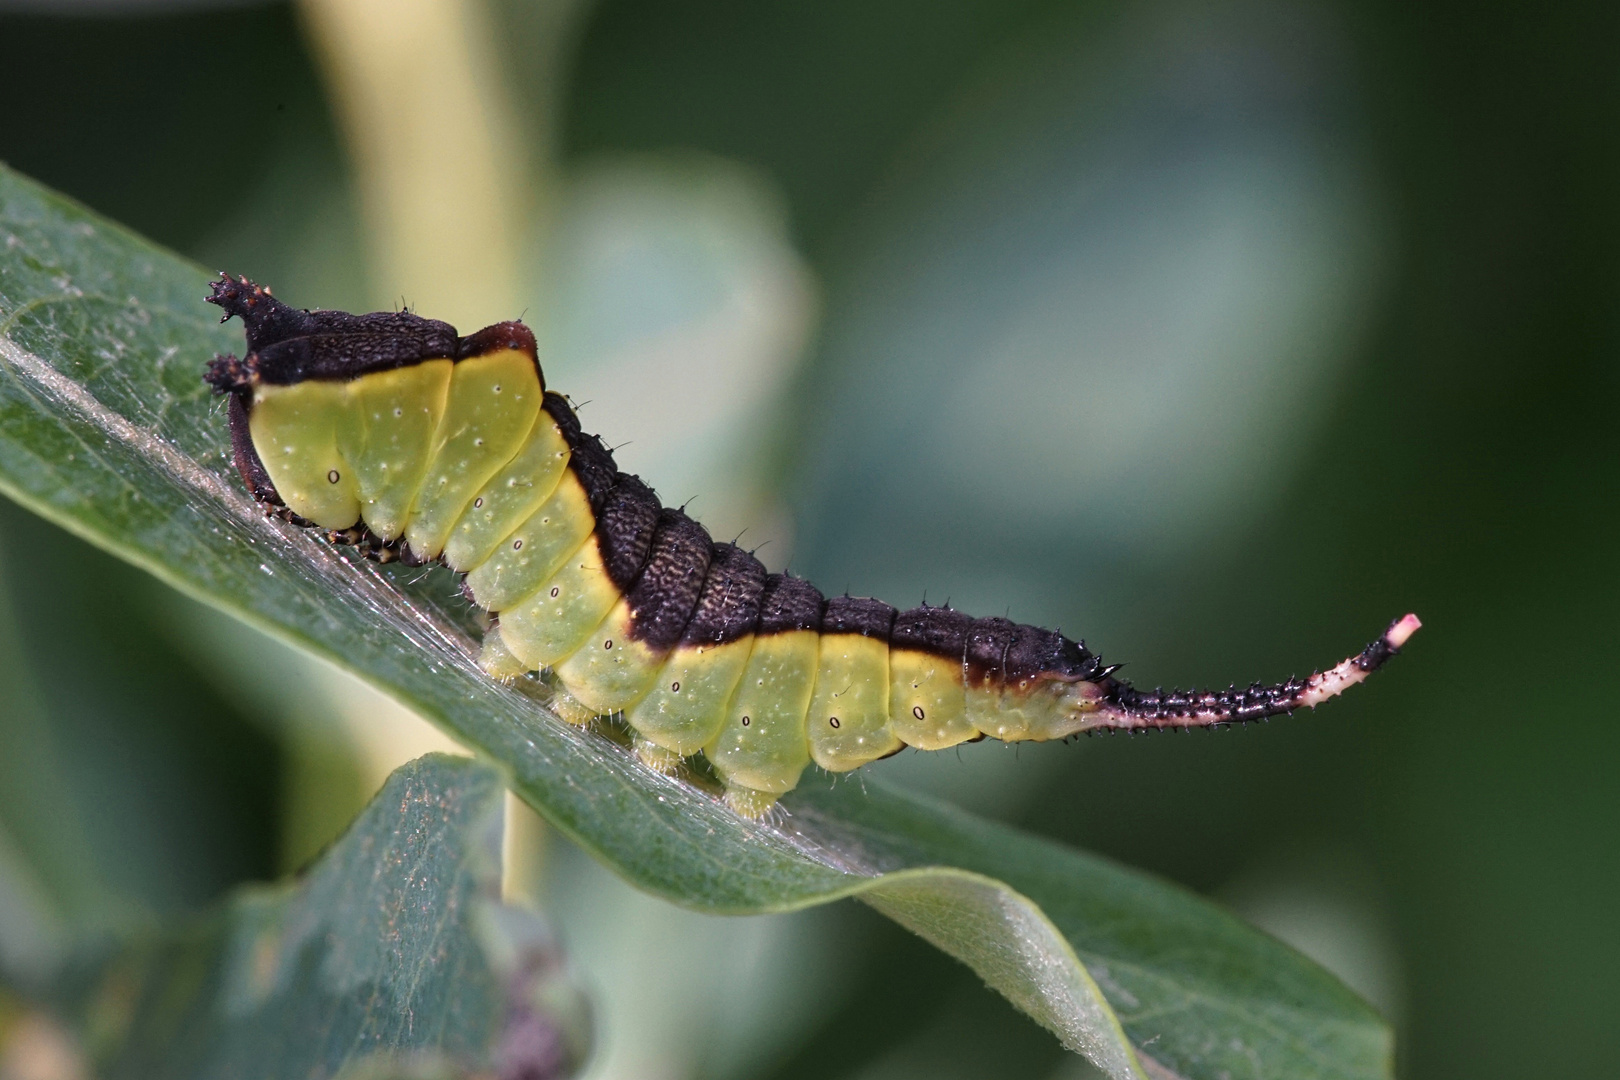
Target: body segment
391, 431
848, 718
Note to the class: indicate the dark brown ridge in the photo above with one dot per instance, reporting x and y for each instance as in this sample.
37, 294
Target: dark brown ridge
790, 603
728, 607
858, 615
665, 595
497, 337
682, 588
269, 322
589, 460
938, 630
288, 345
999, 652
624, 529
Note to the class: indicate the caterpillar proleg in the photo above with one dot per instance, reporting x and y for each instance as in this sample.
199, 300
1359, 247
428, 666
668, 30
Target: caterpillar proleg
392, 432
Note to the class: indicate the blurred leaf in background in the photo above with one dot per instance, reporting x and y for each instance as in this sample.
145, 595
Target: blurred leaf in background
677, 308
392, 957
1087, 317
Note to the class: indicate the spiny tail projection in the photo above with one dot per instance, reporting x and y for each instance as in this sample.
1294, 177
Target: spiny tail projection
390, 431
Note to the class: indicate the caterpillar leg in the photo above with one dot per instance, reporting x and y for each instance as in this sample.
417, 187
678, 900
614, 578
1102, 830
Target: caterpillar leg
571, 710
748, 803
656, 757
497, 660
501, 663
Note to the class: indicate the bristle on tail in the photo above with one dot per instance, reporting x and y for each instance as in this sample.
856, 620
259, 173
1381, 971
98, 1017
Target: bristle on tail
1123, 707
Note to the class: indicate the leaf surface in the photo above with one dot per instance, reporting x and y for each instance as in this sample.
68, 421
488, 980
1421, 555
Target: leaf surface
393, 955
106, 428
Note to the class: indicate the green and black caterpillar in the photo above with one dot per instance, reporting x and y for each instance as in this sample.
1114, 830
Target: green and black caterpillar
391, 432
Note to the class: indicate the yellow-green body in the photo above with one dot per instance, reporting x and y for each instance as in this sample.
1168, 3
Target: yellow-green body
548, 625
687, 704
848, 718
515, 493
528, 556
612, 670
927, 705
762, 745
457, 459
394, 432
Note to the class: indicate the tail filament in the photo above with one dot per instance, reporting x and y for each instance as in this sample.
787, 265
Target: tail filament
1123, 707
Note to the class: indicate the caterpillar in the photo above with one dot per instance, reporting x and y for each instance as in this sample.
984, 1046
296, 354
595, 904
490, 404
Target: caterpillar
391, 432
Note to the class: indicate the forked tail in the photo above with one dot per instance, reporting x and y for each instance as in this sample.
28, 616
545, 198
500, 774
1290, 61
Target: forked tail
1123, 707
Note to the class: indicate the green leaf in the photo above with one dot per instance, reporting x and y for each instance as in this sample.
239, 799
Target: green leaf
393, 956
105, 428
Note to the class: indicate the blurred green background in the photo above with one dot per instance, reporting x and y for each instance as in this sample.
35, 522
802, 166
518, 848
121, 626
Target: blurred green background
1217, 334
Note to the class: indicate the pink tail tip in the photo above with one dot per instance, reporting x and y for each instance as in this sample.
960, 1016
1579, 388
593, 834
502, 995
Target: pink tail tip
1402, 630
